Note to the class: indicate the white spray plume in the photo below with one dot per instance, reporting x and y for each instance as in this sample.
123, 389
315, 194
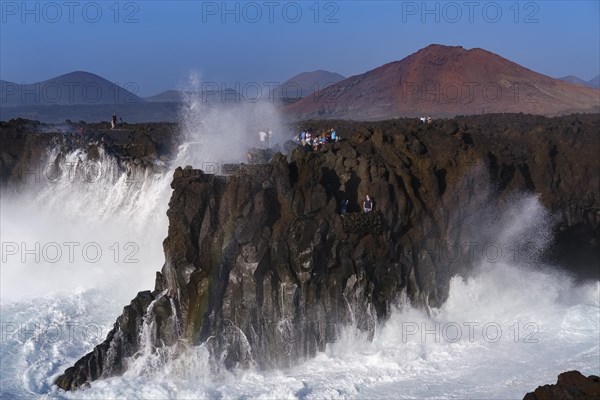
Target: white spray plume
222, 127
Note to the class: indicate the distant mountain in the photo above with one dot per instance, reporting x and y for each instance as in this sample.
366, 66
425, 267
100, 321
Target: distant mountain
293, 89
168, 96
179, 96
594, 82
445, 81
89, 97
574, 80
305, 84
75, 88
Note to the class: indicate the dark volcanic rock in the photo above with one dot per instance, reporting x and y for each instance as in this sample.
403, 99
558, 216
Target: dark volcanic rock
26, 144
262, 268
571, 385
108, 358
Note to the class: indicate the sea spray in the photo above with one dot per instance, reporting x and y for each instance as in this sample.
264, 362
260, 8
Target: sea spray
214, 133
496, 353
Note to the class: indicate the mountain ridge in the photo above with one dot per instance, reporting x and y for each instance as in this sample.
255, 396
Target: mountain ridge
593, 83
445, 81
305, 84
437, 80
73, 88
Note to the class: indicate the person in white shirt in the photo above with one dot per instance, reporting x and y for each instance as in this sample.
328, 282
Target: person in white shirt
262, 135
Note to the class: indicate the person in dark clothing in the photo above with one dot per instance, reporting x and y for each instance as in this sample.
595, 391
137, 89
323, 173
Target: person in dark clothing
367, 204
344, 207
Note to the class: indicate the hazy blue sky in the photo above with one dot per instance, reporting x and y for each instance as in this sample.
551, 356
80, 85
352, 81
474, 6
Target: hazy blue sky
157, 44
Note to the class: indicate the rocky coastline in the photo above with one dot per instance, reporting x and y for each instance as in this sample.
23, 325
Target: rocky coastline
262, 268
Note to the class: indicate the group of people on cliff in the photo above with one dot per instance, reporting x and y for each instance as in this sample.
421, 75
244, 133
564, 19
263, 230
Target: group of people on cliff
367, 205
265, 137
315, 141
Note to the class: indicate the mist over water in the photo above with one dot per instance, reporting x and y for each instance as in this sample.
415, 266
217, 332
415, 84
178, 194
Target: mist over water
509, 325
83, 225
221, 131
78, 223
83, 235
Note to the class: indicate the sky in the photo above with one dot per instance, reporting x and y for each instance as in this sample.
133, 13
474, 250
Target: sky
152, 46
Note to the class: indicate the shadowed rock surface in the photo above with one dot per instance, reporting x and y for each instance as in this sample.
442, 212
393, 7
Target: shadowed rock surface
261, 267
26, 144
571, 385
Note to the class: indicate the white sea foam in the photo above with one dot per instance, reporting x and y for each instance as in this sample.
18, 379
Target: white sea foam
506, 327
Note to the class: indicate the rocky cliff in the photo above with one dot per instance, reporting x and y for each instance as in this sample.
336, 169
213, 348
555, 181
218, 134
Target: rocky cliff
26, 145
570, 385
262, 269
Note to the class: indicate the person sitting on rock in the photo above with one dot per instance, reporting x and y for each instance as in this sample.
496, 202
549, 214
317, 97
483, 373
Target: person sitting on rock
367, 204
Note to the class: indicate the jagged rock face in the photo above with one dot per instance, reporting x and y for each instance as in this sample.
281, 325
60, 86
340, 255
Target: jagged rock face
108, 358
262, 268
570, 385
25, 145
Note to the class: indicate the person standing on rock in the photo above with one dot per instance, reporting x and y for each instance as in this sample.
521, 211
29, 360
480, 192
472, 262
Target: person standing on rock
367, 204
114, 122
262, 135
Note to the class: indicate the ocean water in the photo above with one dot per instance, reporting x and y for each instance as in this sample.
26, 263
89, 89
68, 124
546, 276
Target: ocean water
79, 246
